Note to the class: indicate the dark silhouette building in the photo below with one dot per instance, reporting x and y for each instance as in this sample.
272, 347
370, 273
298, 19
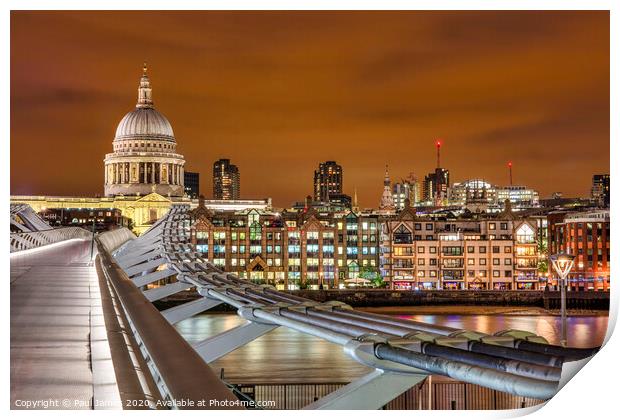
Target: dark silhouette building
192, 184
226, 182
600, 189
435, 188
327, 181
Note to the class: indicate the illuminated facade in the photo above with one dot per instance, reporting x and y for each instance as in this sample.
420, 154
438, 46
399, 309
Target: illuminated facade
289, 250
472, 193
226, 180
520, 196
480, 194
586, 235
496, 253
406, 189
144, 159
142, 210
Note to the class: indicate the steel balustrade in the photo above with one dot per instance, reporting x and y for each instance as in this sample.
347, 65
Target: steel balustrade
35, 232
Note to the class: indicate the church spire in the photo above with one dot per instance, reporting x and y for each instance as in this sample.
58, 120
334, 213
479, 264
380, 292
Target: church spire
386, 179
144, 91
387, 201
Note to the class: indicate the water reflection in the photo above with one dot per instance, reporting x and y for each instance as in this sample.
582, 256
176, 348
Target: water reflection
284, 355
583, 331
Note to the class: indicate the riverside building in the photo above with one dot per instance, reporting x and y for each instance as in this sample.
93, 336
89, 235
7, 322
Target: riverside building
586, 235
498, 252
291, 249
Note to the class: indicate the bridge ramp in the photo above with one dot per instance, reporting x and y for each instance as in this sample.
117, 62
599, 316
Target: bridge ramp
55, 309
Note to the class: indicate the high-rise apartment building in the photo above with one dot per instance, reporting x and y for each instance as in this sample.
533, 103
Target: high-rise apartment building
327, 181
600, 189
226, 180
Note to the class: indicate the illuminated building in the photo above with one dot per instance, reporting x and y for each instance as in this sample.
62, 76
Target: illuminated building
192, 184
144, 159
520, 196
600, 190
478, 194
586, 235
290, 249
328, 181
142, 210
475, 193
406, 189
226, 180
490, 253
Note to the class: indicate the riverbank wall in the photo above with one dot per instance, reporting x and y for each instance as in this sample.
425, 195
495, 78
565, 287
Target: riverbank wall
533, 298
549, 300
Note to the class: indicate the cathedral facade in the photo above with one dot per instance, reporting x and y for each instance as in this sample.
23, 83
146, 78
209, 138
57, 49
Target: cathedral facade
144, 158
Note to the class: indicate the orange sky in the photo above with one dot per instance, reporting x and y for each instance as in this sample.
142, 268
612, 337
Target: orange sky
278, 92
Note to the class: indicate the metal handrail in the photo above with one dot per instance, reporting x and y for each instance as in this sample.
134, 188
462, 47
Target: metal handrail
180, 373
21, 241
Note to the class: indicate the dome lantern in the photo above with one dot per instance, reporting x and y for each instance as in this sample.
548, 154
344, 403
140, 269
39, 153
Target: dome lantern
144, 91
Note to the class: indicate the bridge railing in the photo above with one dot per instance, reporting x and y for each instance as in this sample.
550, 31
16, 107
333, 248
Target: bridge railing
28, 240
178, 371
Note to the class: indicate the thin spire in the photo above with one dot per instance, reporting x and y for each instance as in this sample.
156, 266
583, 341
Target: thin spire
144, 68
386, 180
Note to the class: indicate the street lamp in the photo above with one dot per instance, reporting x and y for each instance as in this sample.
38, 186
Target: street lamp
563, 263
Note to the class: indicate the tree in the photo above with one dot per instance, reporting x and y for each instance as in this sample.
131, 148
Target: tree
543, 254
372, 274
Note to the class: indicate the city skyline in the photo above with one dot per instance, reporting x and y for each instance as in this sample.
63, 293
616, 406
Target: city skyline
252, 98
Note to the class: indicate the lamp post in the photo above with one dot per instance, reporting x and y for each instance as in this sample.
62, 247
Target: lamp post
563, 263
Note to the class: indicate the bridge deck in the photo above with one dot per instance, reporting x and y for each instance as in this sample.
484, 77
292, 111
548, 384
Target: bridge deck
59, 349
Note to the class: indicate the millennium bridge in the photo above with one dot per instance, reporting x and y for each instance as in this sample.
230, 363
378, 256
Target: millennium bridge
84, 327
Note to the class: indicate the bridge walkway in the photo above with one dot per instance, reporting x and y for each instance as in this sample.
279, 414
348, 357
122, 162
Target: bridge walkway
59, 348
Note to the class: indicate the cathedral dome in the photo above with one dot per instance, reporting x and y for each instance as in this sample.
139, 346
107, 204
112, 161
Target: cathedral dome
144, 122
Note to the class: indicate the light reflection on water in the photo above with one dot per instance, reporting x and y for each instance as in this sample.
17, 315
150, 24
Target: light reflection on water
582, 331
284, 355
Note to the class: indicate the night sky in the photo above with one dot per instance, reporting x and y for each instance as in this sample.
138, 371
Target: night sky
279, 92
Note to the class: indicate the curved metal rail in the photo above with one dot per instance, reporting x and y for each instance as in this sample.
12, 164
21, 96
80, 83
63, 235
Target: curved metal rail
180, 374
34, 232
29, 240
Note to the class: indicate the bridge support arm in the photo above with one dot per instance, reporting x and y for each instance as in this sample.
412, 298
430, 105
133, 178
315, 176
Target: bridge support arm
219, 345
370, 392
184, 311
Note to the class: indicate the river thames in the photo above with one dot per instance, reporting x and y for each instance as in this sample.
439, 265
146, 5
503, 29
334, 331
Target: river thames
285, 356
